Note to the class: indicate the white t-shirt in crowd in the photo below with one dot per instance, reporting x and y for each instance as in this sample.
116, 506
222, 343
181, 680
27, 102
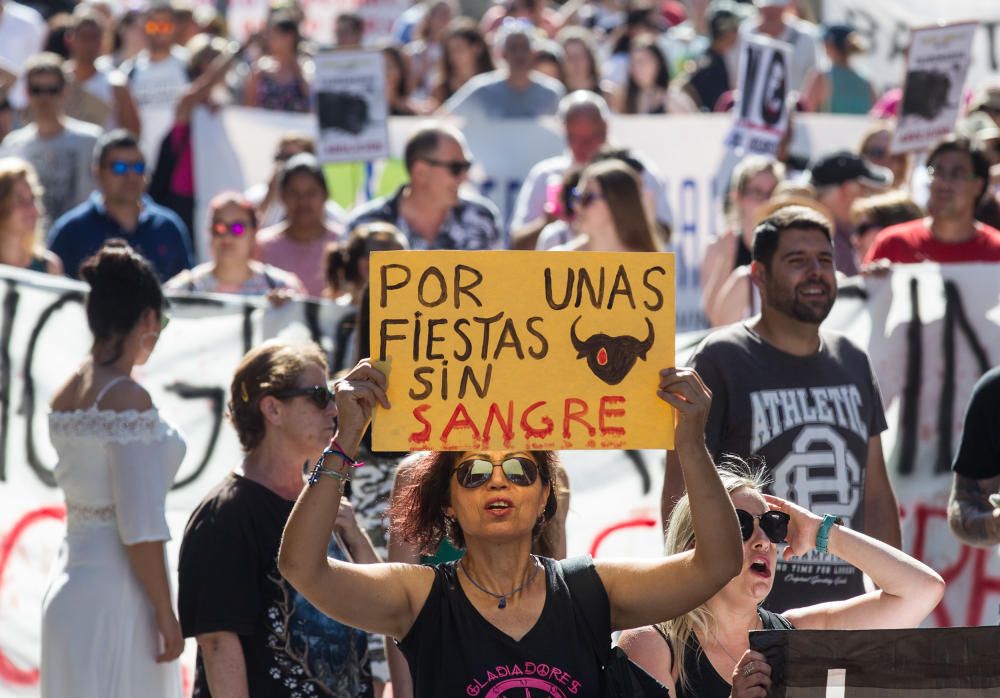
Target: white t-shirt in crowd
22, 35
64, 162
159, 83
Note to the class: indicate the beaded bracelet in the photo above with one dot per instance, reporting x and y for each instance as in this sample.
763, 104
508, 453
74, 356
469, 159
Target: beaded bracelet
339, 450
318, 469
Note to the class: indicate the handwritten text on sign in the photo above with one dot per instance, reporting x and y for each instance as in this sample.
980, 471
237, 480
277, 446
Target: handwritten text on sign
531, 350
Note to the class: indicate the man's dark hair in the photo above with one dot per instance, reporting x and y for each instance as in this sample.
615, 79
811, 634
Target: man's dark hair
116, 138
45, 63
353, 20
961, 144
768, 232
422, 145
303, 163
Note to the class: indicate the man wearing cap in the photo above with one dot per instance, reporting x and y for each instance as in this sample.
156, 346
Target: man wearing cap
512, 92
959, 176
840, 179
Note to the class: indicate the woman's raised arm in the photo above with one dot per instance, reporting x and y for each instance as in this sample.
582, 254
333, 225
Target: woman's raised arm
378, 598
646, 592
908, 589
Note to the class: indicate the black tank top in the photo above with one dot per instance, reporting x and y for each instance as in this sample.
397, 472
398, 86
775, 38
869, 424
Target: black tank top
454, 651
704, 679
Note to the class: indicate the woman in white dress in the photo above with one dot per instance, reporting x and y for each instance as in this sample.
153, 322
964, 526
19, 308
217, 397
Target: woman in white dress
108, 624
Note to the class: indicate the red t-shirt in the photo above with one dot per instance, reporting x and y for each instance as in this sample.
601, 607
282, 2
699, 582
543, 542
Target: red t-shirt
908, 243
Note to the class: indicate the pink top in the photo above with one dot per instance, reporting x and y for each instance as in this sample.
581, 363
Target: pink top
182, 178
304, 259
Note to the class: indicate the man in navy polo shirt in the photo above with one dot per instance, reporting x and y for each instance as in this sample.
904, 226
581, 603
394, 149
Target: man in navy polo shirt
120, 209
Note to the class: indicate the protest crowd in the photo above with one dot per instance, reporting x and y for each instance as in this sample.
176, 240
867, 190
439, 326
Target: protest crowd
464, 585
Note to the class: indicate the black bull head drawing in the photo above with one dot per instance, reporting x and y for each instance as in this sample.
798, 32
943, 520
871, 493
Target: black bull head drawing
611, 358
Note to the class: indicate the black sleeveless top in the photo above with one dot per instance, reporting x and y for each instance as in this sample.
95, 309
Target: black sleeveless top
704, 679
454, 651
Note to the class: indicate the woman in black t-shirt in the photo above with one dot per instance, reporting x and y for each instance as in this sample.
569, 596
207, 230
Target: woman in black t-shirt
256, 635
705, 653
500, 620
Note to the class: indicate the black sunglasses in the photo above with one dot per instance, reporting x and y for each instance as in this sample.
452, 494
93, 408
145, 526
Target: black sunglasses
476, 472
321, 395
456, 167
44, 90
773, 523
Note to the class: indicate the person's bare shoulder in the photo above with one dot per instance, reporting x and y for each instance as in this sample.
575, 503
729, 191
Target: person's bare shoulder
125, 396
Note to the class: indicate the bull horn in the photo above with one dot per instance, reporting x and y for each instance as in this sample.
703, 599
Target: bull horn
647, 344
577, 344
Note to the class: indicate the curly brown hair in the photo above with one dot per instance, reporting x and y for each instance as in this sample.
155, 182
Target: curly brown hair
269, 368
417, 508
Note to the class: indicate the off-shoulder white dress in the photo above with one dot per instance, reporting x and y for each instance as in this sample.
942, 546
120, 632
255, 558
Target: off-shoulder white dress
99, 635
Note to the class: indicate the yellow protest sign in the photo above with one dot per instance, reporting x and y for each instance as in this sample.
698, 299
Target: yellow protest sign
522, 350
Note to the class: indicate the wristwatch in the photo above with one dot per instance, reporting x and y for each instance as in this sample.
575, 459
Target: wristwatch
823, 534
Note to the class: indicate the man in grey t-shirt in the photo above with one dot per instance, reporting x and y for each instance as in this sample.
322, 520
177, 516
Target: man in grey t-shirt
512, 93
805, 400
60, 148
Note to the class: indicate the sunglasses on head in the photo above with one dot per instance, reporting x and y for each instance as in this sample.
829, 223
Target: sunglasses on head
237, 229
321, 395
476, 472
457, 168
44, 90
121, 168
773, 523
583, 198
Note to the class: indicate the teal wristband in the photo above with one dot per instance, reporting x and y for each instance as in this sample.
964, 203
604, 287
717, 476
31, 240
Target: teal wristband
823, 534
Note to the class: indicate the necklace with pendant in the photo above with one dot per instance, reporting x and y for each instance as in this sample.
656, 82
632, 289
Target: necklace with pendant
502, 597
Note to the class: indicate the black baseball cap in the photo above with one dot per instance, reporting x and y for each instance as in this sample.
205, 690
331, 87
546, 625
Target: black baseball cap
844, 166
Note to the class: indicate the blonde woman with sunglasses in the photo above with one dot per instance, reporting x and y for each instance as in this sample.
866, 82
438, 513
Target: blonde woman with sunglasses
705, 652
256, 635
501, 618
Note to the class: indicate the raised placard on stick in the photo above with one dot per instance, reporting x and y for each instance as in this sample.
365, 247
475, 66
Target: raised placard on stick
523, 350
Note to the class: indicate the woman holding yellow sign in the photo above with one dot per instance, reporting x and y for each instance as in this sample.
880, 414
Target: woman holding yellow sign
502, 618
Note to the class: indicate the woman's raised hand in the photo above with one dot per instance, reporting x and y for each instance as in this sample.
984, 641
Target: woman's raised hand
684, 390
803, 526
357, 394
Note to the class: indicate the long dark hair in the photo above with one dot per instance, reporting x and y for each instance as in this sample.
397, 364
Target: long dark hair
662, 74
465, 29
